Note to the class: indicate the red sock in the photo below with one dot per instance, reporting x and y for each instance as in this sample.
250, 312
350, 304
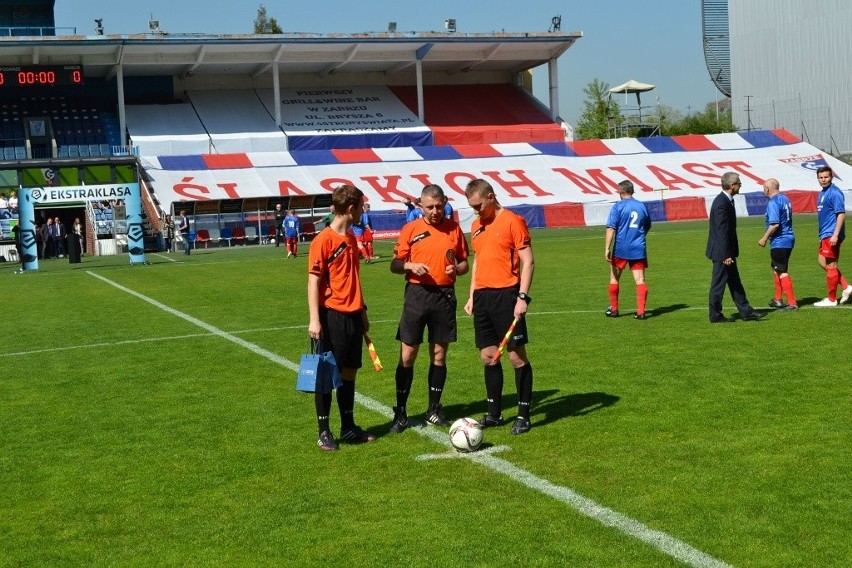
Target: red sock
787, 285
641, 297
370, 249
613, 296
832, 279
843, 282
363, 252
779, 287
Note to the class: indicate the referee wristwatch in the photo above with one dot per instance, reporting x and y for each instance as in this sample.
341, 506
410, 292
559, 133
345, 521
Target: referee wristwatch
524, 297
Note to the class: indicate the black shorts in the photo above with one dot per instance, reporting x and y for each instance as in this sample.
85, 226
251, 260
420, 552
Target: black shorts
780, 259
343, 335
428, 306
493, 312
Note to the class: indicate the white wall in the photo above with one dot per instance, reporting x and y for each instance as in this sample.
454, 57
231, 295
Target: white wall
793, 59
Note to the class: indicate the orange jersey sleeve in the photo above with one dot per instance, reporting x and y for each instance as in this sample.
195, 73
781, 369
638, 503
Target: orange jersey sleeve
496, 247
334, 259
436, 246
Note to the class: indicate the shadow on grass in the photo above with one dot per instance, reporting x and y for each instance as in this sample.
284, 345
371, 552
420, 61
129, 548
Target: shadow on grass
570, 405
663, 310
547, 407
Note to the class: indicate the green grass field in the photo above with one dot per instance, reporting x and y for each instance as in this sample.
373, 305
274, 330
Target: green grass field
148, 417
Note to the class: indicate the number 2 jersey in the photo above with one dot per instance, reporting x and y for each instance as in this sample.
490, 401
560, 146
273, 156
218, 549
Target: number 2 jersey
630, 219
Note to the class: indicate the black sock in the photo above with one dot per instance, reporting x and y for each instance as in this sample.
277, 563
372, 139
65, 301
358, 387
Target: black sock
524, 384
494, 389
404, 378
437, 379
346, 404
322, 402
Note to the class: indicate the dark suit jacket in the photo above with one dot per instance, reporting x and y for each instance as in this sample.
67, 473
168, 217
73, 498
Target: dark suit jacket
722, 241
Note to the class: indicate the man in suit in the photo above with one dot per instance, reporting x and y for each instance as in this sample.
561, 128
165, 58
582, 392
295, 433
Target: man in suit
59, 234
723, 249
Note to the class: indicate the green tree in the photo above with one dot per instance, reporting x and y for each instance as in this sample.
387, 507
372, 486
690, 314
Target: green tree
707, 122
263, 24
599, 112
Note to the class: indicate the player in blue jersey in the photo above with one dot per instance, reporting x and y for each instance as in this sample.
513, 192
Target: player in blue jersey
292, 229
627, 225
831, 216
779, 234
413, 210
366, 245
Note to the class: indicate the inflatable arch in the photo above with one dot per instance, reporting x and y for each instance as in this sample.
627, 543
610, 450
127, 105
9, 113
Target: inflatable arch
28, 197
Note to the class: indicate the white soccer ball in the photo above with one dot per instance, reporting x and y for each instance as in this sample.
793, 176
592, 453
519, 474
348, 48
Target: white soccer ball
466, 435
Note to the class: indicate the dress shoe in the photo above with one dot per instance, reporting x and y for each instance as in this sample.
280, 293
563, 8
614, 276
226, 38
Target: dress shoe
753, 316
722, 319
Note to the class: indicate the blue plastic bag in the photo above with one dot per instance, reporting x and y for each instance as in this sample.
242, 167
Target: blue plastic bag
318, 370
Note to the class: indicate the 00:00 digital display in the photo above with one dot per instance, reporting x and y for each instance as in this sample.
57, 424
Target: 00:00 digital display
41, 75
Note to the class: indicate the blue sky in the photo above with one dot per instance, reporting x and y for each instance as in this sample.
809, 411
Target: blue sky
656, 42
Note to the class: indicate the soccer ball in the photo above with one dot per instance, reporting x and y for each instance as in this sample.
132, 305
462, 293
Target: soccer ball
466, 435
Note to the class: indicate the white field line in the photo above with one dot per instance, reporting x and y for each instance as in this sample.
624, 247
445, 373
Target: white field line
160, 338
164, 256
661, 541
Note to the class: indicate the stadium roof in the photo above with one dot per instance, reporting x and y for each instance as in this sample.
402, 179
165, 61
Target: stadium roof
160, 53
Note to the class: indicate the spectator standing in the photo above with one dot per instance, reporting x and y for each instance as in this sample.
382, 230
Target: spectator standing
279, 223
59, 235
79, 241
831, 216
500, 282
779, 234
16, 234
48, 249
430, 252
292, 230
168, 232
723, 249
338, 314
39, 237
626, 227
183, 228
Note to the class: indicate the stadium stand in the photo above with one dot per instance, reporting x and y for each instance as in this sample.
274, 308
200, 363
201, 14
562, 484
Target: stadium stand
237, 122
166, 129
481, 114
347, 117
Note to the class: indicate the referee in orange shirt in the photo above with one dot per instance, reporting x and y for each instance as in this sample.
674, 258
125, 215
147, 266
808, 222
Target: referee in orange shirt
338, 315
499, 293
431, 251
